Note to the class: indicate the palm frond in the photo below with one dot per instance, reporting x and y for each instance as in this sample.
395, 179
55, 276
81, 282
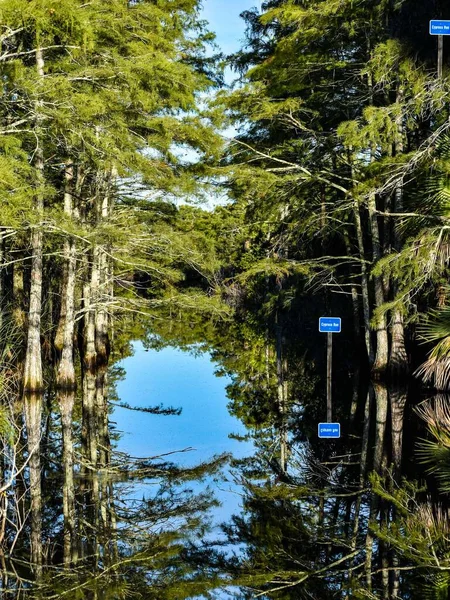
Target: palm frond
436, 452
435, 517
436, 369
436, 413
434, 586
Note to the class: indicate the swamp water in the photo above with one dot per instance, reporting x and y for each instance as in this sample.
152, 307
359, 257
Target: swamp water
234, 496
184, 380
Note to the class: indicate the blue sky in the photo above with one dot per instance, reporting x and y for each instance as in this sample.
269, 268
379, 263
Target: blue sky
223, 16
224, 20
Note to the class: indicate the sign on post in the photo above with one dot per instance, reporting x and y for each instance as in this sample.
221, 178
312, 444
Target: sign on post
439, 27
330, 324
329, 430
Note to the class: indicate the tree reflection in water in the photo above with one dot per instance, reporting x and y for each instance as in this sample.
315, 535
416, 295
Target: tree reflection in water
71, 525
320, 519
359, 517
345, 521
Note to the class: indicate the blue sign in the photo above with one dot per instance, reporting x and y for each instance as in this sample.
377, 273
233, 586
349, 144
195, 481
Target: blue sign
439, 27
330, 324
329, 430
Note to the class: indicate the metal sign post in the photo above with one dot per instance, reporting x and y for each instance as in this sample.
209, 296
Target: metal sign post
329, 325
329, 376
440, 28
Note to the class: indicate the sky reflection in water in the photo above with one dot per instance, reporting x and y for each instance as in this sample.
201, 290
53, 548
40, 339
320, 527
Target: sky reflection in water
172, 377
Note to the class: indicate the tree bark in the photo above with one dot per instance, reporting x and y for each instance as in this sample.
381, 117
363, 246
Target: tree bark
66, 368
354, 292
382, 341
102, 345
364, 277
383, 553
398, 360
363, 466
381, 398
398, 398
33, 380
89, 406
382, 351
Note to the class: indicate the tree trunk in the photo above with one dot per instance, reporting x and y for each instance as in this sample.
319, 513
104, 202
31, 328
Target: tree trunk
58, 341
364, 277
382, 347
102, 345
363, 466
364, 286
90, 292
357, 333
398, 397
105, 530
90, 360
382, 351
384, 557
33, 380
398, 401
398, 360
381, 398
66, 368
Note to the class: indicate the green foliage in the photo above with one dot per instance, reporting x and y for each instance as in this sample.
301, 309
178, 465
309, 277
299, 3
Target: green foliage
7, 431
435, 451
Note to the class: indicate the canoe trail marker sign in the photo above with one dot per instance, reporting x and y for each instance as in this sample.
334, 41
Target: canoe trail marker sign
330, 324
440, 28
329, 430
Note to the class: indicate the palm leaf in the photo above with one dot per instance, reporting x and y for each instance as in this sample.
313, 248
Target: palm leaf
434, 586
436, 452
436, 369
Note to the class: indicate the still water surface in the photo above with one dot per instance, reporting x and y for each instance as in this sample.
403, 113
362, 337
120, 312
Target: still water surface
185, 380
349, 518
